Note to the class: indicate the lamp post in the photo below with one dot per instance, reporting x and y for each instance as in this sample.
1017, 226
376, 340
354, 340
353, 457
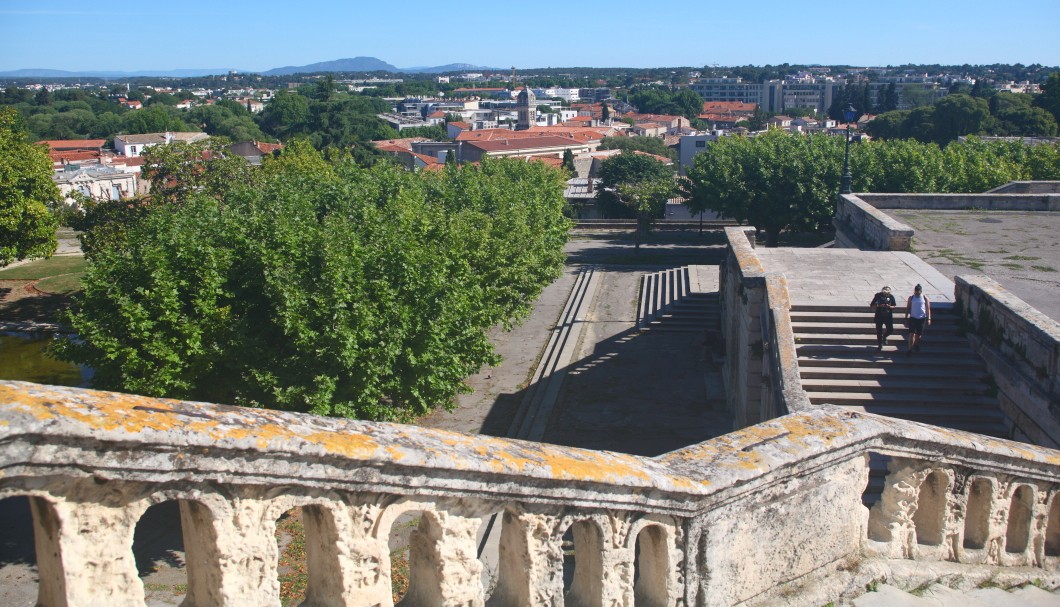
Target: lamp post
848, 115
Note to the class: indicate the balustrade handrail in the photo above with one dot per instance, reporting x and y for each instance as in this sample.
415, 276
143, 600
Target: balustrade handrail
49, 431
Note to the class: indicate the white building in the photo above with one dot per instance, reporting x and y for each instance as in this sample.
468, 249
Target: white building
134, 145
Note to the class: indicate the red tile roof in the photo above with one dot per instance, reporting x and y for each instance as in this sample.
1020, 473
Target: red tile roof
74, 144
524, 143
65, 156
728, 107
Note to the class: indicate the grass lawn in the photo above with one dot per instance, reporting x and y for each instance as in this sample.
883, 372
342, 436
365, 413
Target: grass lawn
45, 268
59, 275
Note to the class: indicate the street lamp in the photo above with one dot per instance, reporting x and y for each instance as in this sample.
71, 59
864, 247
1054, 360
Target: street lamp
848, 115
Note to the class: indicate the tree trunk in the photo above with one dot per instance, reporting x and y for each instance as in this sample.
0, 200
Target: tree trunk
772, 236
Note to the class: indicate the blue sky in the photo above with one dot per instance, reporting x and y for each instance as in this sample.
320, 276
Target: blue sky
260, 35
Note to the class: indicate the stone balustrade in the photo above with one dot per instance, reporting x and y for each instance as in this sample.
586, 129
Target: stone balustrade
1021, 348
772, 512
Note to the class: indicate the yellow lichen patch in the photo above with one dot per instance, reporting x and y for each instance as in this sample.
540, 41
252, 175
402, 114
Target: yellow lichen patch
357, 446
594, 467
395, 453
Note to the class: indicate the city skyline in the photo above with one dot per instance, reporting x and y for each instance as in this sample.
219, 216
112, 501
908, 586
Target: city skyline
268, 34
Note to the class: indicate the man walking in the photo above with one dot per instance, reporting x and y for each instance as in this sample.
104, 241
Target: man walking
917, 313
883, 303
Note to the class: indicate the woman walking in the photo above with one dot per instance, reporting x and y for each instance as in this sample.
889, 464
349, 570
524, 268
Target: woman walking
917, 313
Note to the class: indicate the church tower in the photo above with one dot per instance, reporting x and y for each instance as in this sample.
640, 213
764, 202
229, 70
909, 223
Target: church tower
526, 106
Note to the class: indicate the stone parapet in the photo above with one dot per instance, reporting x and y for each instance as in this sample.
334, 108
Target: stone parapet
738, 520
860, 225
761, 367
991, 201
1021, 348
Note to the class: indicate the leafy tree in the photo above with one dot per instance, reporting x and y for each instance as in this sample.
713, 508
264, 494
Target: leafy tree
568, 161
285, 114
958, 115
207, 167
351, 292
637, 184
1049, 99
605, 112
775, 181
27, 228
228, 119
155, 119
651, 145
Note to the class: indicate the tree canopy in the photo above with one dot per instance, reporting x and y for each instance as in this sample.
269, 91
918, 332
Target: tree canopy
323, 286
635, 185
27, 227
775, 181
651, 145
782, 181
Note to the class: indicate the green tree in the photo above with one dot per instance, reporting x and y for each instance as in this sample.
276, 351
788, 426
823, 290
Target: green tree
27, 227
285, 114
635, 185
651, 145
568, 162
348, 292
959, 115
775, 181
605, 112
155, 119
1049, 98
207, 167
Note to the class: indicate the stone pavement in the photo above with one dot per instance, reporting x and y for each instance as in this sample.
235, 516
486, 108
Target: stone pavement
1020, 250
850, 276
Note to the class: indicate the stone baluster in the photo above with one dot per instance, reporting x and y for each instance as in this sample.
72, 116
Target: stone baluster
530, 567
84, 552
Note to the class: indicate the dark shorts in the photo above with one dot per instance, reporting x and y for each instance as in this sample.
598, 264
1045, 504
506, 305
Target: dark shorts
916, 325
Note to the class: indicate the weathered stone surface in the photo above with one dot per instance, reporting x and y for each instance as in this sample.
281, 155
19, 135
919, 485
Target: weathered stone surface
742, 519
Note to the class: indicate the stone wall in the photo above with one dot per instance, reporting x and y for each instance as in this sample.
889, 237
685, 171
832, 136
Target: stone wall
761, 367
859, 225
1028, 187
958, 202
769, 513
1021, 348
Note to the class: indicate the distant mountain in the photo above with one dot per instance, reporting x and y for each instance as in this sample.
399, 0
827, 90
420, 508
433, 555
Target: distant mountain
451, 67
46, 73
357, 64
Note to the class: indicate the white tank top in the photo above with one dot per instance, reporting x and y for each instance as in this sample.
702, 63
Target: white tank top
918, 306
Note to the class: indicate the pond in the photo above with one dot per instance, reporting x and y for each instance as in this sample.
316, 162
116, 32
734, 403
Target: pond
23, 357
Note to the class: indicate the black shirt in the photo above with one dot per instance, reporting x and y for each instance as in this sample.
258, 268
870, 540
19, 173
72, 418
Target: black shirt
883, 304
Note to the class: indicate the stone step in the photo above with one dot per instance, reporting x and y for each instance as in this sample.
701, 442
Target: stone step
936, 306
938, 354
953, 402
861, 357
865, 328
969, 373
865, 316
869, 338
887, 385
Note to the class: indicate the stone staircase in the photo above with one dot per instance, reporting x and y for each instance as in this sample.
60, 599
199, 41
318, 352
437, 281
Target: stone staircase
668, 302
944, 384
938, 595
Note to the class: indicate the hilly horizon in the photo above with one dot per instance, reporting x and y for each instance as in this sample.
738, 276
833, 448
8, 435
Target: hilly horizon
354, 64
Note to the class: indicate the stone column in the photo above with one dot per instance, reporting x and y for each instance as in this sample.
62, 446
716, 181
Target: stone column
444, 569
530, 571
84, 553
